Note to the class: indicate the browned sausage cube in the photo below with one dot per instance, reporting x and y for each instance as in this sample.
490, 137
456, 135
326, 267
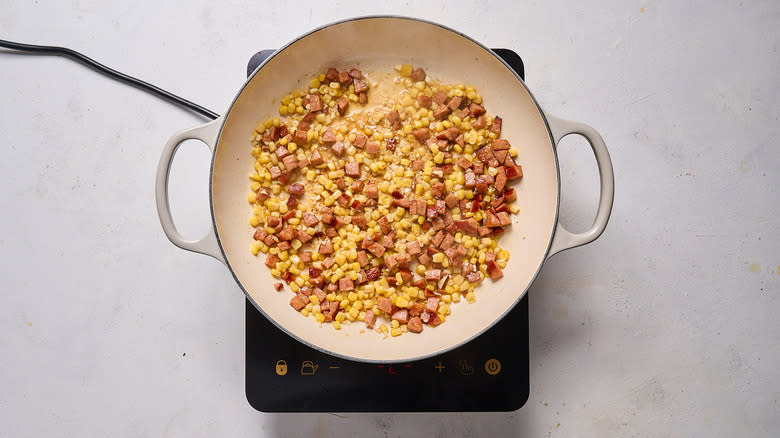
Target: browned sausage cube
480, 123
492, 220
326, 247
437, 189
352, 169
440, 97
288, 233
513, 172
345, 284
344, 79
415, 325
360, 86
329, 137
476, 109
362, 258
281, 152
384, 224
275, 172
338, 148
310, 220
328, 262
495, 127
394, 119
384, 304
451, 200
418, 165
500, 180
332, 75
272, 260
390, 262
416, 309
413, 247
500, 144
501, 156
454, 103
433, 274
355, 74
421, 134
376, 249
417, 75
362, 97
449, 134
494, 271
290, 162
432, 304
401, 315
315, 103
424, 101
300, 137
316, 158
321, 294
360, 141
504, 218
297, 303
342, 104
370, 319
441, 112
372, 191
474, 277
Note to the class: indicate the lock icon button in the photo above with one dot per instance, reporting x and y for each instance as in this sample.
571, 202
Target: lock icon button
281, 368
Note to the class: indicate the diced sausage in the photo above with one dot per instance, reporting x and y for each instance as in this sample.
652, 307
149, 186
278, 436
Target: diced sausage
384, 224
359, 221
360, 86
332, 75
362, 97
297, 303
476, 109
352, 169
451, 200
449, 134
417, 75
424, 101
416, 309
447, 242
432, 304
356, 187
418, 165
328, 262
337, 148
424, 259
355, 74
341, 105
504, 218
326, 247
372, 147
494, 271
400, 315
281, 152
376, 249
344, 79
413, 247
360, 141
362, 258
303, 236
495, 127
470, 180
387, 241
454, 103
296, 189
310, 219
463, 163
315, 103
290, 162
343, 200
272, 260
329, 137
260, 234
370, 319
500, 156
415, 325
513, 172
440, 97
441, 112
300, 136
345, 284
390, 262
468, 268
384, 304
403, 203
275, 172
421, 134
433, 274
474, 277
316, 158
480, 123
500, 144
372, 191
492, 220
394, 119
288, 233
500, 180
284, 245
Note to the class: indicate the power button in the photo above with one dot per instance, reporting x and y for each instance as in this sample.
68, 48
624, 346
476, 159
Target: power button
492, 366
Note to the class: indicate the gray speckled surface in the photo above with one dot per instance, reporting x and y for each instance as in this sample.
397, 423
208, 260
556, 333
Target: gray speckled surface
666, 326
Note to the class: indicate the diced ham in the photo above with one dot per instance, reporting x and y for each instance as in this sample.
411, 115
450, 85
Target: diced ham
260, 234
480, 123
437, 189
390, 262
297, 303
424, 259
304, 237
362, 258
281, 152
359, 221
500, 144
387, 241
310, 219
328, 262
384, 304
296, 189
288, 233
447, 242
329, 137
470, 180
421, 134
400, 315
326, 247
341, 105
433, 274
370, 319
441, 112
315, 103
332, 75
394, 118
492, 220
416, 309
474, 277
494, 271
316, 158
272, 260
432, 304
413, 247
440, 97
300, 136
495, 127
344, 79
451, 200
360, 86
372, 191
417, 75
449, 134
403, 203
355, 74
372, 273
372, 147
363, 97
284, 245
418, 206
424, 101
504, 218
275, 172
384, 224
476, 109
345, 284
454, 103
376, 249
352, 169
338, 148
415, 325
513, 172
418, 165
360, 141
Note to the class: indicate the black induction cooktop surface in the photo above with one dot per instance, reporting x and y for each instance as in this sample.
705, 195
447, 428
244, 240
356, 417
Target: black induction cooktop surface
490, 373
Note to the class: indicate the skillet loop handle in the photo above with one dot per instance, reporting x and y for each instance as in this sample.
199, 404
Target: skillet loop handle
208, 244
565, 239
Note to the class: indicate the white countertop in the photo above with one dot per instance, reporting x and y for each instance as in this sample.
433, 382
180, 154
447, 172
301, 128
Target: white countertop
665, 326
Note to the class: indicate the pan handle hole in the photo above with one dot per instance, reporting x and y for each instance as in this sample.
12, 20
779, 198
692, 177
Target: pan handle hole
579, 183
188, 189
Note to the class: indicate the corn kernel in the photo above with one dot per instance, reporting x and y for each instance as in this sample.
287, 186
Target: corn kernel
395, 331
336, 325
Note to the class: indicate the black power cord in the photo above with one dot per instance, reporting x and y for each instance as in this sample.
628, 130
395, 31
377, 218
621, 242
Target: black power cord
119, 76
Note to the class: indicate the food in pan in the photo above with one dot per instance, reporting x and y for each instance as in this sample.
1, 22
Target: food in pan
382, 201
